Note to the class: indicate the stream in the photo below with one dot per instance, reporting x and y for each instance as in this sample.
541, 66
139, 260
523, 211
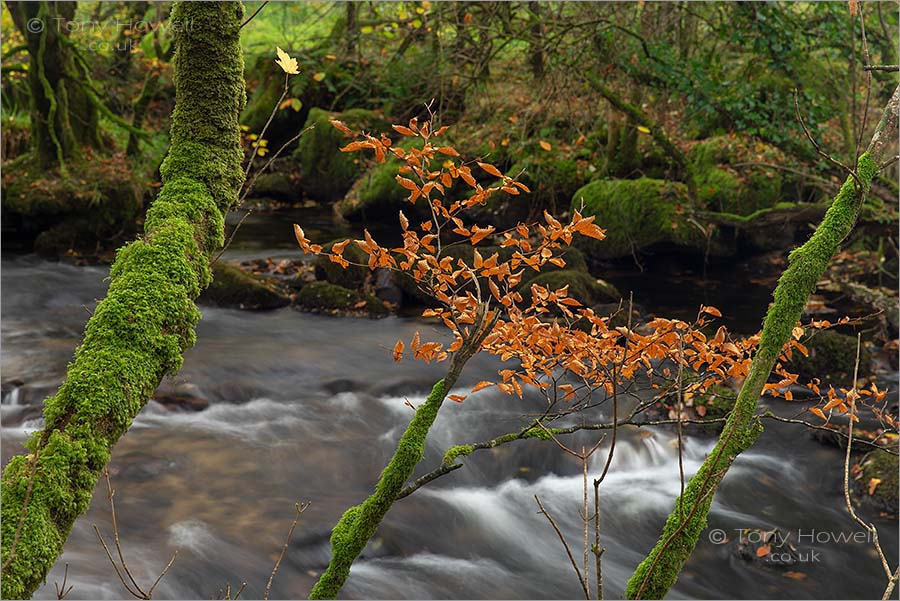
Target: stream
309, 408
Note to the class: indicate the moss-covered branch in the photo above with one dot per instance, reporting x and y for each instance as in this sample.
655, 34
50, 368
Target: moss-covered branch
140, 330
359, 523
659, 571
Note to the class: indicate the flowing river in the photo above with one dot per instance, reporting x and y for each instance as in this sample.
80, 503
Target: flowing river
309, 408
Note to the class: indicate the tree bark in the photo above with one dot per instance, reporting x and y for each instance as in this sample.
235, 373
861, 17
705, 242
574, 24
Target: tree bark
139, 332
659, 571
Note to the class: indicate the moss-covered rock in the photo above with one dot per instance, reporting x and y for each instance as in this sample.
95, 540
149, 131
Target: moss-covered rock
582, 286
352, 276
235, 288
376, 195
879, 474
94, 204
832, 357
324, 297
724, 188
326, 172
635, 214
277, 185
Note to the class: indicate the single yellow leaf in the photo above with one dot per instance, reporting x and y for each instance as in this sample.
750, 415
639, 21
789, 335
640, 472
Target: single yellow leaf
288, 65
546, 145
643, 130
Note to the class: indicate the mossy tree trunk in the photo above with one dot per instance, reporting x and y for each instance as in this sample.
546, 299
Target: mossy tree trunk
62, 115
139, 332
659, 571
360, 523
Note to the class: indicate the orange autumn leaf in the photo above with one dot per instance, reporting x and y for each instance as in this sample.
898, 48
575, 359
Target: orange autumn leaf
458, 398
546, 145
482, 385
763, 550
398, 350
490, 169
711, 310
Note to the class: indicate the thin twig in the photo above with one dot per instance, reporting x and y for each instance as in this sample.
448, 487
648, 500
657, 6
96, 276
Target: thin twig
881, 68
256, 12
62, 591
248, 188
819, 150
137, 591
873, 531
300, 507
562, 539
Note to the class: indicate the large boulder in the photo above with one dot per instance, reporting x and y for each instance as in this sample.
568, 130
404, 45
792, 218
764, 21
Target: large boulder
93, 205
876, 483
326, 172
635, 214
376, 195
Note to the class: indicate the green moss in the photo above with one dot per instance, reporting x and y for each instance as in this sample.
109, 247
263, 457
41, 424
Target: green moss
832, 358
275, 185
741, 192
359, 523
139, 331
454, 453
233, 287
324, 296
582, 286
326, 172
635, 214
330, 298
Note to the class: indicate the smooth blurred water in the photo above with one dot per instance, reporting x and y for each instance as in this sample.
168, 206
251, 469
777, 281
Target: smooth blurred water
309, 408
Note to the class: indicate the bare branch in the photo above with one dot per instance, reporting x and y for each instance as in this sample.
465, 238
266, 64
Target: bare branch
562, 539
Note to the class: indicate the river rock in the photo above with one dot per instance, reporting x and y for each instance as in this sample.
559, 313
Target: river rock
183, 396
234, 288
